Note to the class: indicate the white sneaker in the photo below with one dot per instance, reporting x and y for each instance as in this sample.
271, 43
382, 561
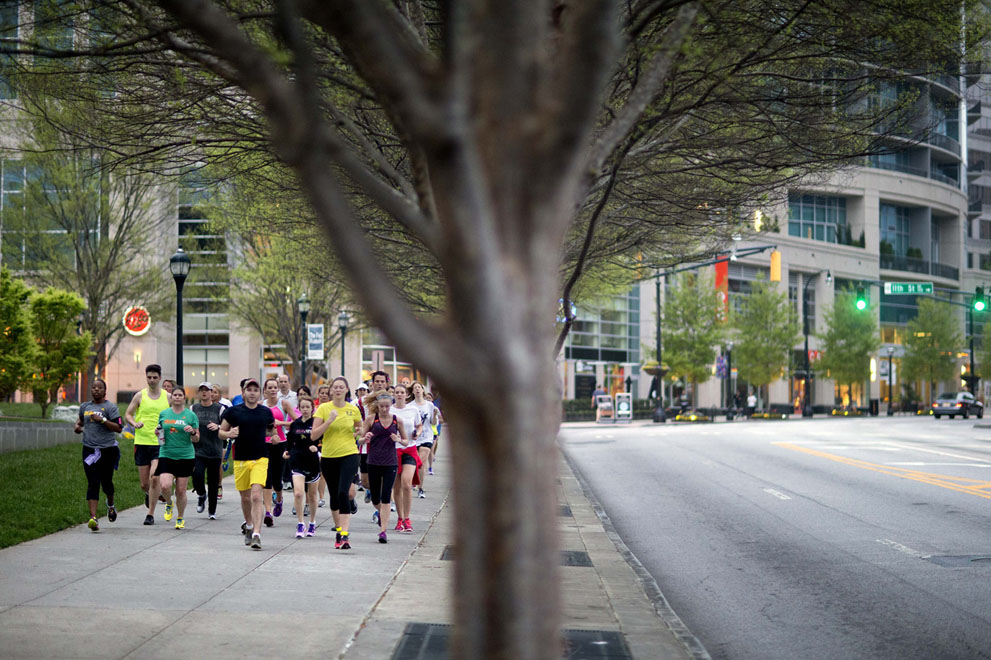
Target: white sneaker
213, 516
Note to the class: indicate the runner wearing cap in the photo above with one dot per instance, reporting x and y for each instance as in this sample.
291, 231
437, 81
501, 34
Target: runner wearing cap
248, 423
209, 451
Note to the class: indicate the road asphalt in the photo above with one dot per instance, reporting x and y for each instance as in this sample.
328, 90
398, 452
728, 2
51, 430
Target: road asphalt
132, 591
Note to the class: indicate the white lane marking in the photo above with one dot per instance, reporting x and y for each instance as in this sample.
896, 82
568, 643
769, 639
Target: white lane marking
922, 464
775, 493
904, 549
939, 453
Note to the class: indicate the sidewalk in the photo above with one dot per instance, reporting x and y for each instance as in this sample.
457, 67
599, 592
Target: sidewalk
132, 591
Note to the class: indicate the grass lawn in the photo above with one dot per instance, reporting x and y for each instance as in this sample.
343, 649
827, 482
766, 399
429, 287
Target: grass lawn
22, 410
44, 490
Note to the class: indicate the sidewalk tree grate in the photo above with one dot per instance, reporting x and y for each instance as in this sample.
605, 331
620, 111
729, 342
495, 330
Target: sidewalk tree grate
578, 558
564, 511
429, 641
960, 561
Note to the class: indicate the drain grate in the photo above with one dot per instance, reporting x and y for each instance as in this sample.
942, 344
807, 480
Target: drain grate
429, 641
577, 558
564, 511
960, 561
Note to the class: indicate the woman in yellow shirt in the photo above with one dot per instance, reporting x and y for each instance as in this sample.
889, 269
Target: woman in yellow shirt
337, 422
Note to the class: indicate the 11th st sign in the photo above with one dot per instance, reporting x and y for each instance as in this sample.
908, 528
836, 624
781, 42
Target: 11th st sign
907, 288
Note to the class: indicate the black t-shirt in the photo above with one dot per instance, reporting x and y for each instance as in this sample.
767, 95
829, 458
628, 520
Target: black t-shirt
210, 444
252, 424
300, 456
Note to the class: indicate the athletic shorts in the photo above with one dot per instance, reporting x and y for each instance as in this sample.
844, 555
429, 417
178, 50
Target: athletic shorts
428, 445
308, 477
145, 454
176, 467
249, 473
408, 456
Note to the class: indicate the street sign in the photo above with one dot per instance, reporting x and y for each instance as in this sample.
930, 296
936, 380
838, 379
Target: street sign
907, 288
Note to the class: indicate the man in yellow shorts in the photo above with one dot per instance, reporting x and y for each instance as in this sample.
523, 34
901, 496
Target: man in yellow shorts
247, 425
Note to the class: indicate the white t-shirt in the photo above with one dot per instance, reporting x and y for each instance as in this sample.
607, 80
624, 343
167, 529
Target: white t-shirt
426, 409
409, 416
291, 396
752, 401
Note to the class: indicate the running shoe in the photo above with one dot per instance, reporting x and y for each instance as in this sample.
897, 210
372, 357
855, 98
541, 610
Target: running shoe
220, 492
306, 510
311, 529
256, 542
93, 524
244, 526
422, 495
345, 544
275, 497
337, 539
277, 511
180, 523
168, 510
111, 512
213, 516
322, 503
430, 471
247, 535
149, 520
392, 508
368, 497
383, 538
375, 516
201, 504
299, 530
399, 525
407, 526
294, 509
269, 520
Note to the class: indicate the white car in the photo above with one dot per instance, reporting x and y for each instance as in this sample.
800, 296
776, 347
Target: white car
957, 403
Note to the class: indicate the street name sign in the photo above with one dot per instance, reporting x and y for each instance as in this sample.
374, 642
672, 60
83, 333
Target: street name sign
907, 288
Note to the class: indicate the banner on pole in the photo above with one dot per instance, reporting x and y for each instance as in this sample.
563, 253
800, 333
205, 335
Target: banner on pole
314, 341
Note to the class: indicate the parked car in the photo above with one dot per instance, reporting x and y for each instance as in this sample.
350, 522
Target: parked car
957, 403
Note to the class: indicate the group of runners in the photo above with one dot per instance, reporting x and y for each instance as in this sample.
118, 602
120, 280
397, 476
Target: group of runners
381, 440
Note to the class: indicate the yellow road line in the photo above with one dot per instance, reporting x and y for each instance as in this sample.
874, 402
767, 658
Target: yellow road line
960, 484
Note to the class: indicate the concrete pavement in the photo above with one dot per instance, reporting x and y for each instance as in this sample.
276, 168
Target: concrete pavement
131, 591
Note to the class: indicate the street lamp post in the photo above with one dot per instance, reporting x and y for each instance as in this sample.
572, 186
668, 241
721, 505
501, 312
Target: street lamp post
807, 408
891, 395
659, 415
342, 322
304, 310
179, 265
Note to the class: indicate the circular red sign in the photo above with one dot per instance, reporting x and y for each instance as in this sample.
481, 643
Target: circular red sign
136, 321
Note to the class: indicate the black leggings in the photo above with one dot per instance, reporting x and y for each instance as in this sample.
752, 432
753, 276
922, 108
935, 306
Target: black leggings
101, 474
212, 486
380, 481
339, 474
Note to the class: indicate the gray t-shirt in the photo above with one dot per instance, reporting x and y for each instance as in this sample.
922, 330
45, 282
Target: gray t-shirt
210, 444
96, 434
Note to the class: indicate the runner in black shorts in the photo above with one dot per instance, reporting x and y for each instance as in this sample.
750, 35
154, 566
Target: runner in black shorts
180, 428
304, 464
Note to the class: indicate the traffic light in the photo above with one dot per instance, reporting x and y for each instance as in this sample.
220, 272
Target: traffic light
980, 302
861, 302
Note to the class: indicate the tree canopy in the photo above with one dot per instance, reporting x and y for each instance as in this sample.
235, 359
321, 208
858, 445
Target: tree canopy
850, 339
766, 330
932, 339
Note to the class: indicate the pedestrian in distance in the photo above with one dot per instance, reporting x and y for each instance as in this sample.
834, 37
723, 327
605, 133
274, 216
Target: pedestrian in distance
751, 405
142, 415
283, 412
425, 439
248, 423
99, 423
209, 451
180, 429
408, 459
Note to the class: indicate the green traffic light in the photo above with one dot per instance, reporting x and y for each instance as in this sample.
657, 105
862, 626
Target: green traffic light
861, 299
979, 305
980, 302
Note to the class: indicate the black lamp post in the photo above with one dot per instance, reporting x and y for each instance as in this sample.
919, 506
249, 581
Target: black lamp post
891, 392
807, 408
179, 265
659, 415
342, 322
304, 310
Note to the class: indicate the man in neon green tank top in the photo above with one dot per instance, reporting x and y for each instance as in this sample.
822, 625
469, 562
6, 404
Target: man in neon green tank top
142, 413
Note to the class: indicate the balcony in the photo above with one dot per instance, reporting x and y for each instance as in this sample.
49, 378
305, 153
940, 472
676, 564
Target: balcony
898, 167
920, 266
945, 142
